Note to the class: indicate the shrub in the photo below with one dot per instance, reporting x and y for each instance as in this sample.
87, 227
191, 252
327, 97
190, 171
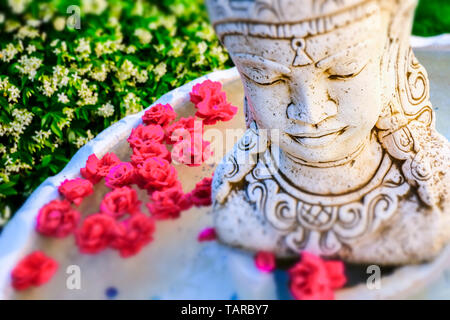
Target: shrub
61, 86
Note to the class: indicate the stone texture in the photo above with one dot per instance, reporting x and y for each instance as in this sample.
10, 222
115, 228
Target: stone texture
348, 161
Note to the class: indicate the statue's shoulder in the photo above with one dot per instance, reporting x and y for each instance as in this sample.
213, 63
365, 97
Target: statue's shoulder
238, 162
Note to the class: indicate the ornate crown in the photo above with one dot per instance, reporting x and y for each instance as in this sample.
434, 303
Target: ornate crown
286, 18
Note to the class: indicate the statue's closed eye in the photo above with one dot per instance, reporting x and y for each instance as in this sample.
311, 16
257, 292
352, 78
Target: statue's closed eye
346, 70
260, 70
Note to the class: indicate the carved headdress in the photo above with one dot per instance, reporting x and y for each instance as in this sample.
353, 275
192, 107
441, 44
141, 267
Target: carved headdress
405, 127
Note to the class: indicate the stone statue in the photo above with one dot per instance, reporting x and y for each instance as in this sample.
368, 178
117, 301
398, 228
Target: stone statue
341, 157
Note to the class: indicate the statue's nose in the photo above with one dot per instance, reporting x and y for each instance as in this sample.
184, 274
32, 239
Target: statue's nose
311, 106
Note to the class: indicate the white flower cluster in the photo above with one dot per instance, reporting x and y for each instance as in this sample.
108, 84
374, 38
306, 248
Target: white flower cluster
106, 110
9, 89
41, 136
18, 6
143, 35
29, 66
87, 94
132, 103
81, 141
160, 70
8, 53
128, 70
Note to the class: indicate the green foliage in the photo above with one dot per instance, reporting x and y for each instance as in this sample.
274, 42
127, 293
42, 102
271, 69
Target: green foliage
59, 86
432, 17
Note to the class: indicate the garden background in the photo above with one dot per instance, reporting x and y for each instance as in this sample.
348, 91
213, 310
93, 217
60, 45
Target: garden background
61, 86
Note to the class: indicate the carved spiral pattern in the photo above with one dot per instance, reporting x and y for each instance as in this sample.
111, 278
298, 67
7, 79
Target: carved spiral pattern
417, 87
312, 225
234, 168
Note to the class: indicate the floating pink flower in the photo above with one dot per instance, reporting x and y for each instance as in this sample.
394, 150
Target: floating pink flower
208, 234
95, 233
97, 169
143, 136
120, 175
155, 174
155, 150
133, 234
265, 261
76, 190
201, 195
33, 270
211, 102
191, 153
57, 219
168, 204
119, 202
184, 129
159, 115
315, 279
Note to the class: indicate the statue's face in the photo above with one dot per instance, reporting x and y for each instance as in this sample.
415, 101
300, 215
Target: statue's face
326, 100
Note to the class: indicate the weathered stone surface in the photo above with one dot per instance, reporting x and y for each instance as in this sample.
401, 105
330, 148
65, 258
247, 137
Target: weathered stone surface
341, 156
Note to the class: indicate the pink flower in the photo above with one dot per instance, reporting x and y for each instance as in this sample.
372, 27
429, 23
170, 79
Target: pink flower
96, 169
119, 202
169, 203
156, 150
33, 270
183, 129
57, 219
201, 195
143, 136
133, 234
191, 153
315, 279
160, 115
265, 261
120, 175
211, 102
155, 174
95, 233
208, 234
76, 190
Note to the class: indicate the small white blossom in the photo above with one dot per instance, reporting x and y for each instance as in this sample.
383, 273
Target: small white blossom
41, 136
94, 6
59, 23
81, 141
106, 110
160, 70
31, 48
18, 6
27, 32
29, 66
84, 47
63, 98
14, 94
8, 53
143, 35
177, 48
132, 103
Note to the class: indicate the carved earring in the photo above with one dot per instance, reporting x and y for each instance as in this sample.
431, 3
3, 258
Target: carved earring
301, 58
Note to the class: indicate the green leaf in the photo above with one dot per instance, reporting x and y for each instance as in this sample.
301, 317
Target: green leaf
56, 130
46, 160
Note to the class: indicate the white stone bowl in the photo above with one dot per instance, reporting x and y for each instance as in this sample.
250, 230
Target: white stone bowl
175, 265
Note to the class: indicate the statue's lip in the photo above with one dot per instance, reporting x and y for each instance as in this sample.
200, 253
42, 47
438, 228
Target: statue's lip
319, 139
317, 135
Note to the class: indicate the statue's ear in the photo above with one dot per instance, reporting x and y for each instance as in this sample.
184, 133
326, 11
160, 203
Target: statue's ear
391, 116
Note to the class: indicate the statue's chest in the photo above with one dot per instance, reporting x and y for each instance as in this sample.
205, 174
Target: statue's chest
319, 222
